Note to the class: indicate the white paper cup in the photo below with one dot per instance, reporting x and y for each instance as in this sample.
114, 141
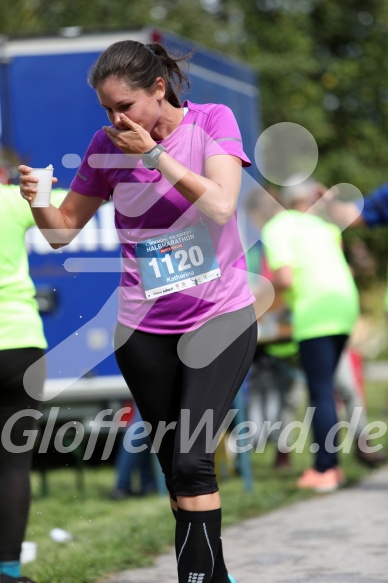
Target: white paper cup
42, 197
28, 553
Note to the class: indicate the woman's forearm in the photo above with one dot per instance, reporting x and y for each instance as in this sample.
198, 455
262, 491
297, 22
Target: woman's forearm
52, 223
60, 225
216, 196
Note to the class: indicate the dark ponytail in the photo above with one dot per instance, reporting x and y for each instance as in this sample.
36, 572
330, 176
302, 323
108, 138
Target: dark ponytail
139, 66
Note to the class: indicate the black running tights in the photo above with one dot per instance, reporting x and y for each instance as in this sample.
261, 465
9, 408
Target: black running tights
15, 467
198, 372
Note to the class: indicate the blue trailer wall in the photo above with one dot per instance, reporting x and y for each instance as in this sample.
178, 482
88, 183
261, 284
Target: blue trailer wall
59, 117
79, 306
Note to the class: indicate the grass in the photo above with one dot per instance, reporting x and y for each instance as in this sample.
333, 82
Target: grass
110, 536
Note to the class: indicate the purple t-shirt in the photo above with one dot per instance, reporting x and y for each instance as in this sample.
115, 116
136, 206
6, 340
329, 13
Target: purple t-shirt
147, 206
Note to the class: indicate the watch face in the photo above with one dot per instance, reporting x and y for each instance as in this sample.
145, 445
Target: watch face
147, 160
150, 159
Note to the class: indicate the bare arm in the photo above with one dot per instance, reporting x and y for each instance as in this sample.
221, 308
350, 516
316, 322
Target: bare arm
283, 278
343, 214
271, 293
215, 194
59, 225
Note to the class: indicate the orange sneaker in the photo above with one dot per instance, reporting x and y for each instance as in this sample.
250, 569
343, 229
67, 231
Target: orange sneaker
322, 482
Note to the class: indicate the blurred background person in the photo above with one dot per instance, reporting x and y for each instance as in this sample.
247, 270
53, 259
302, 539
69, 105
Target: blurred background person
22, 343
134, 471
304, 253
371, 211
348, 383
275, 382
274, 388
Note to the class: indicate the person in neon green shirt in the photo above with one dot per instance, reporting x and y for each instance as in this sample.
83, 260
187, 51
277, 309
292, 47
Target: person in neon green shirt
305, 254
22, 343
314, 274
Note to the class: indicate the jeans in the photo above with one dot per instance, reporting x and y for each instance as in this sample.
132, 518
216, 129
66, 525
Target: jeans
319, 358
129, 462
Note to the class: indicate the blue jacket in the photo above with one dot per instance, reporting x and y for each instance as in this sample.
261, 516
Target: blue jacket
375, 211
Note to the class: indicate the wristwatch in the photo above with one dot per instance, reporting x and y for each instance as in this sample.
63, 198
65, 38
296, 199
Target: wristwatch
150, 159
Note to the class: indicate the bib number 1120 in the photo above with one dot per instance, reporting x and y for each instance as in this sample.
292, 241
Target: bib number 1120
184, 260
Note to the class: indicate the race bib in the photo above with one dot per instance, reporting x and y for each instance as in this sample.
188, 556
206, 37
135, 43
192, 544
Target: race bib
177, 261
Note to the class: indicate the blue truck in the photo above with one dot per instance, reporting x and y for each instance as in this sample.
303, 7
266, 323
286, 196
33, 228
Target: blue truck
48, 114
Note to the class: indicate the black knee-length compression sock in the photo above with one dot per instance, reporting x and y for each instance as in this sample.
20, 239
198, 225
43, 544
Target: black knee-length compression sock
220, 573
197, 541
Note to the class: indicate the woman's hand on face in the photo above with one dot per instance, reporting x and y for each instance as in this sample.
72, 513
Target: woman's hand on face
135, 140
29, 182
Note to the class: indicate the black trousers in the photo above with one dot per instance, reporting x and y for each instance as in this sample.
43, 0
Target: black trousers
15, 465
196, 374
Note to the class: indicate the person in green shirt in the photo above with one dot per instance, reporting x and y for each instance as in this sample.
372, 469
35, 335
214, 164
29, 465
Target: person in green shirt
304, 253
275, 380
22, 343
